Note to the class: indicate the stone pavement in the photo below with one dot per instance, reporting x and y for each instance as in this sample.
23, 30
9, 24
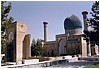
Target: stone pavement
77, 64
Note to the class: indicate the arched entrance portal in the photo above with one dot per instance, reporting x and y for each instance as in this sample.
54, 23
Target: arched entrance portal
10, 52
62, 49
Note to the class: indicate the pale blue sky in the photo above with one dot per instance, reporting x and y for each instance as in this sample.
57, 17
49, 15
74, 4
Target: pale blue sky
34, 13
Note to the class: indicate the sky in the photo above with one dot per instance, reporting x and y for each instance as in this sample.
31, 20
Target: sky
34, 13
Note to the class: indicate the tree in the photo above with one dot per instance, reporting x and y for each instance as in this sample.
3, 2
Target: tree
32, 47
36, 48
93, 35
39, 47
5, 21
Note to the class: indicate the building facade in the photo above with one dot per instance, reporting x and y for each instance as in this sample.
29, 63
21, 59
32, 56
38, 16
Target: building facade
72, 42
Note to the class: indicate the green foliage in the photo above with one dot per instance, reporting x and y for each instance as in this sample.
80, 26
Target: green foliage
36, 48
92, 66
5, 21
93, 35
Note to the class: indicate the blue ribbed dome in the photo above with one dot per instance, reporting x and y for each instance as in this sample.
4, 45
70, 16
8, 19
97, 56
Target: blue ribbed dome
72, 22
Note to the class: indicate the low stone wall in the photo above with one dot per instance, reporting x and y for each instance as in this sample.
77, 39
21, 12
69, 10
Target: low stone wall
52, 61
28, 61
31, 61
37, 65
68, 58
89, 58
2, 56
55, 58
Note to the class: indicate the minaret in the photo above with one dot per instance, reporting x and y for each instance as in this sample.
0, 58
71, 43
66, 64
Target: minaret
84, 13
45, 31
